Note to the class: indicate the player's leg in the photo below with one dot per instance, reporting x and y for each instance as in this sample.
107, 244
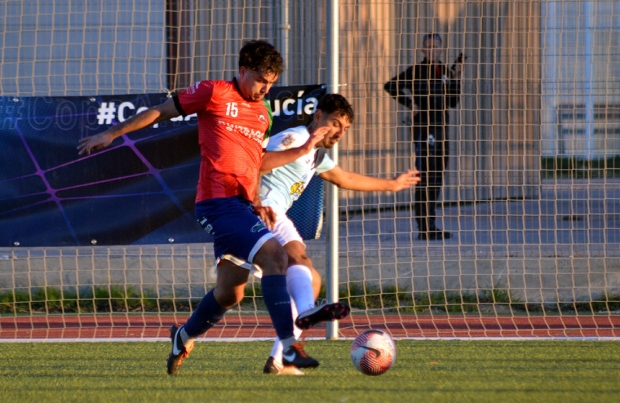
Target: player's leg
274, 363
240, 235
283, 231
299, 276
273, 260
229, 290
436, 165
300, 286
302, 279
304, 284
421, 190
239, 232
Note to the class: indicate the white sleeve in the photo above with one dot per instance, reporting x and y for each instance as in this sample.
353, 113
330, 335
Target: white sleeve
286, 139
326, 165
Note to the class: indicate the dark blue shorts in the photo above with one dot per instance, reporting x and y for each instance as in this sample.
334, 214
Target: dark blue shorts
234, 226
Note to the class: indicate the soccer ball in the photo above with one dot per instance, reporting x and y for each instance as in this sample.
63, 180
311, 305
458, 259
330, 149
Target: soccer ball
373, 352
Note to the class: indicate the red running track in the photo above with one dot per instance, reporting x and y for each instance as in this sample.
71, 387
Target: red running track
85, 327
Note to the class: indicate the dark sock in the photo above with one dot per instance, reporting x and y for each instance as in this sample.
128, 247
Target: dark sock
206, 315
278, 302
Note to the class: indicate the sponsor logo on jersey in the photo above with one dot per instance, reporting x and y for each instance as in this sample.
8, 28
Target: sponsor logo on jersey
255, 135
259, 226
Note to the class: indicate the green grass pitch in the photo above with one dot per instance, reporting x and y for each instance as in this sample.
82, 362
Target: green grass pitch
425, 371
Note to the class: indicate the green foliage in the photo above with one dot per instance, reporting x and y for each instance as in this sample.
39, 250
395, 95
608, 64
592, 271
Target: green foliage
359, 295
88, 300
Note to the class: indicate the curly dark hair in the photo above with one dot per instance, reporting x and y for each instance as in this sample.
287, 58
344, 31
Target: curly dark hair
331, 103
261, 56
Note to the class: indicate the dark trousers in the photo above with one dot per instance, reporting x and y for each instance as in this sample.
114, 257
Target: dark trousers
431, 149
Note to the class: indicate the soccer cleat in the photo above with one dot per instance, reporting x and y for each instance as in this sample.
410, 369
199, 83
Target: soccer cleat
297, 357
276, 368
323, 313
179, 351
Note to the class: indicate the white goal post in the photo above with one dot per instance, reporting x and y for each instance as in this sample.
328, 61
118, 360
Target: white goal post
531, 193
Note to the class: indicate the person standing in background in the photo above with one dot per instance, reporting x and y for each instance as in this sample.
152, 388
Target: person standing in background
428, 89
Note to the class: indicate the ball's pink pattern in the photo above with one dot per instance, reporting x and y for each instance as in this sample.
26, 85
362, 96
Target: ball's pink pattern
375, 360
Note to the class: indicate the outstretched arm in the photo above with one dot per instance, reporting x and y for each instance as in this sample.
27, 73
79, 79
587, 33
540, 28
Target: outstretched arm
353, 181
275, 159
151, 116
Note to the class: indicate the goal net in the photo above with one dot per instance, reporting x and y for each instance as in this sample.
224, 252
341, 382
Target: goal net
530, 194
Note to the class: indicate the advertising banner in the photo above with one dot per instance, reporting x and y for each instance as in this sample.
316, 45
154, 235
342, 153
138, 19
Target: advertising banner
139, 190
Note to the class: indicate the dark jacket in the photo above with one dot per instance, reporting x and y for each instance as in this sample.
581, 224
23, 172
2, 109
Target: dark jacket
432, 88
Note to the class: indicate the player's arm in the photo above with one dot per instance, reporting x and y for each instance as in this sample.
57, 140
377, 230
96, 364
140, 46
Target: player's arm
151, 116
400, 88
353, 181
275, 159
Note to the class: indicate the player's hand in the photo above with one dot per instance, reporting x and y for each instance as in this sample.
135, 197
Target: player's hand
94, 143
266, 214
407, 179
316, 137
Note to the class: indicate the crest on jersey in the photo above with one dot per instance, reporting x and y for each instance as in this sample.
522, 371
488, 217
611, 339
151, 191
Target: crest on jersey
288, 140
297, 188
262, 118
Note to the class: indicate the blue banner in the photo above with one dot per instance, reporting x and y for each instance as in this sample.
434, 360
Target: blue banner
140, 190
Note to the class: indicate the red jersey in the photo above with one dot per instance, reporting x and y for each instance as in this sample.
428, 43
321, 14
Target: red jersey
231, 131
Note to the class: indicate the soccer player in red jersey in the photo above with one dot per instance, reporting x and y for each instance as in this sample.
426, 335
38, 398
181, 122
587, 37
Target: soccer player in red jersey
234, 120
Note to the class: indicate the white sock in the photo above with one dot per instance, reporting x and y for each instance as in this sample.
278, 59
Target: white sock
299, 284
278, 347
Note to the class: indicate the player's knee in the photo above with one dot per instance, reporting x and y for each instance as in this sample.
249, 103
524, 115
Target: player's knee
280, 262
227, 298
305, 260
316, 284
299, 257
272, 258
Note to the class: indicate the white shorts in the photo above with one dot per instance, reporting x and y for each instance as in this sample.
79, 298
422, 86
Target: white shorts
284, 231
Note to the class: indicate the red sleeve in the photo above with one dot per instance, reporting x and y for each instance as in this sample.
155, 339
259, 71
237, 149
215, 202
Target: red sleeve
195, 99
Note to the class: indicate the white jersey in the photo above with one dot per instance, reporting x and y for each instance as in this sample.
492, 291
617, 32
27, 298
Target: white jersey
282, 186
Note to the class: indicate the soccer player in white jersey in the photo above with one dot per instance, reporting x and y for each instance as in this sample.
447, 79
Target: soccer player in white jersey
285, 176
